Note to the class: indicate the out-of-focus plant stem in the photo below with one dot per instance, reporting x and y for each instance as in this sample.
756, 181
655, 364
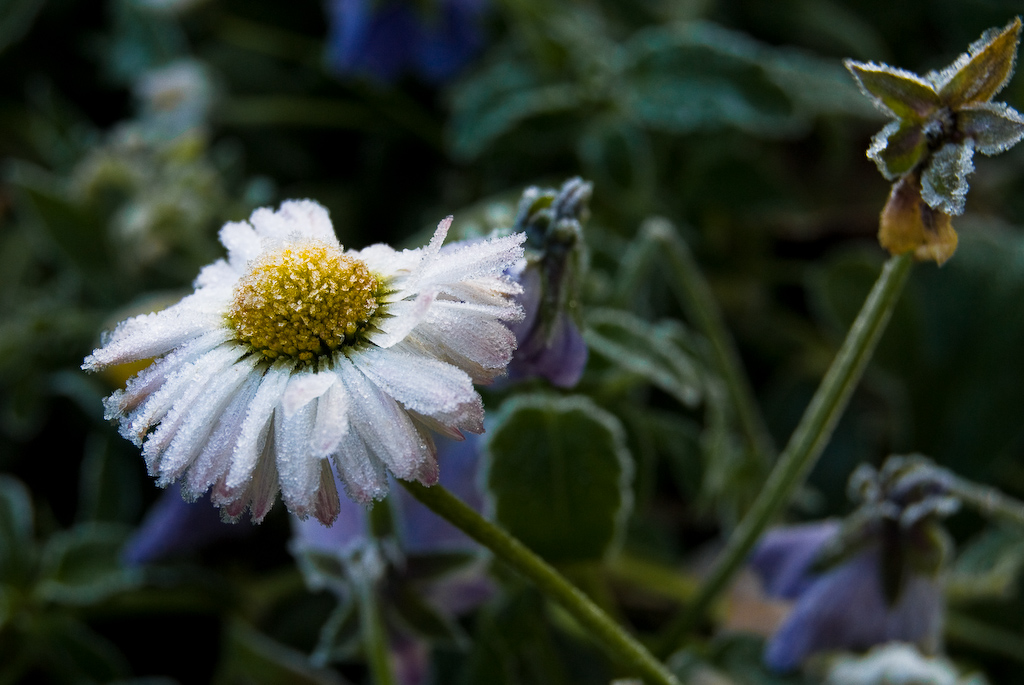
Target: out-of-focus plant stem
805, 445
375, 637
549, 581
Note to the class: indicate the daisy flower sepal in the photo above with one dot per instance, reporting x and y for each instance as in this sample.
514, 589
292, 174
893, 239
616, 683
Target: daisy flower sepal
293, 355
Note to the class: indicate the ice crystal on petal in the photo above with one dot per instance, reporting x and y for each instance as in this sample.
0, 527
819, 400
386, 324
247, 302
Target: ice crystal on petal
944, 182
293, 360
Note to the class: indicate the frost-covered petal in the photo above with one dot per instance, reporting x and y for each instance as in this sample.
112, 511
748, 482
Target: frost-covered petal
898, 148
477, 259
944, 181
252, 438
897, 92
331, 420
425, 385
200, 420
295, 219
298, 470
155, 334
403, 317
994, 127
363, 474
399, 445
150, 379
242, 243
305, 387
181, 383
214, 461
977, 75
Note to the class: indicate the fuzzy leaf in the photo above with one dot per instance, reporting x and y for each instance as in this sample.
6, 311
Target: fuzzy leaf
662, 353
979, 74
896, 92
944, 182
82, 565
703, 77
16, 545
995, 127
559, 476
988, 566
898, 148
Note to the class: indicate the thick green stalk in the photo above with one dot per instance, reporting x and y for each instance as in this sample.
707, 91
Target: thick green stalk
702, 309
805, 445
547, 579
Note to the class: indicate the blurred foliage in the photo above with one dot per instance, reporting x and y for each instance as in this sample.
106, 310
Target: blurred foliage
133, 129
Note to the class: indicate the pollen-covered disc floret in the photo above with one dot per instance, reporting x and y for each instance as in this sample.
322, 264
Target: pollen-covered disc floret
304, 301
294, 358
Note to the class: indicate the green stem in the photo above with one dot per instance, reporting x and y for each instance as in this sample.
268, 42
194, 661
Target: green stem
547, 579
701, 307
982, 636
806, 443
986, 499
375, 637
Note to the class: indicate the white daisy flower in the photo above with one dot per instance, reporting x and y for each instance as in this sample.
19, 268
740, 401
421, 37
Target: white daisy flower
292, 355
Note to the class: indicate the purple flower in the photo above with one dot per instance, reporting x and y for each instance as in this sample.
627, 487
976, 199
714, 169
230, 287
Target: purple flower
871, 579
557, 351
845, 606
173, 526
551, 345
388, 38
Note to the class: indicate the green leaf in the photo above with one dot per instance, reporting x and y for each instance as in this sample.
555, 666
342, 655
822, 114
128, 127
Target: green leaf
944, 181
80, 655
988, 566
495, 101
898, 148
699, 77
995, 127
559, 476
17, 548
896, 92
252, 658
82, 565
979, 74
665, 353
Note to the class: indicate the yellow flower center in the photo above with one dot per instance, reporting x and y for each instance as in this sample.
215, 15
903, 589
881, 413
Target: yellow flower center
304, 301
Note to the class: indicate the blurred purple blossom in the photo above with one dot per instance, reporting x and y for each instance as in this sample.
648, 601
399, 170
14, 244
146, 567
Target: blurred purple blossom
550, 344
844, 607
385, 39
174, 526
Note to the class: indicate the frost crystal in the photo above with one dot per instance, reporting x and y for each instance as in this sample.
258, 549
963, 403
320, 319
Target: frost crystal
292, 356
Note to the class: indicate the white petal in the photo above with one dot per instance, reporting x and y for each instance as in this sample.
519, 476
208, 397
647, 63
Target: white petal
242, 243
201, 418
424, 385
299, 471
331, 419
403, 317
253, 437
183, 391
149, 380
385, 428
151, 335
220, 274
295, 219
157, 405
305, 387
213, 462
362, 473
465, 261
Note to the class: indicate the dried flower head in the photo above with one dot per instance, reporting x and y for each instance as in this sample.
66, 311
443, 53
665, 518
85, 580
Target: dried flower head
939, 120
